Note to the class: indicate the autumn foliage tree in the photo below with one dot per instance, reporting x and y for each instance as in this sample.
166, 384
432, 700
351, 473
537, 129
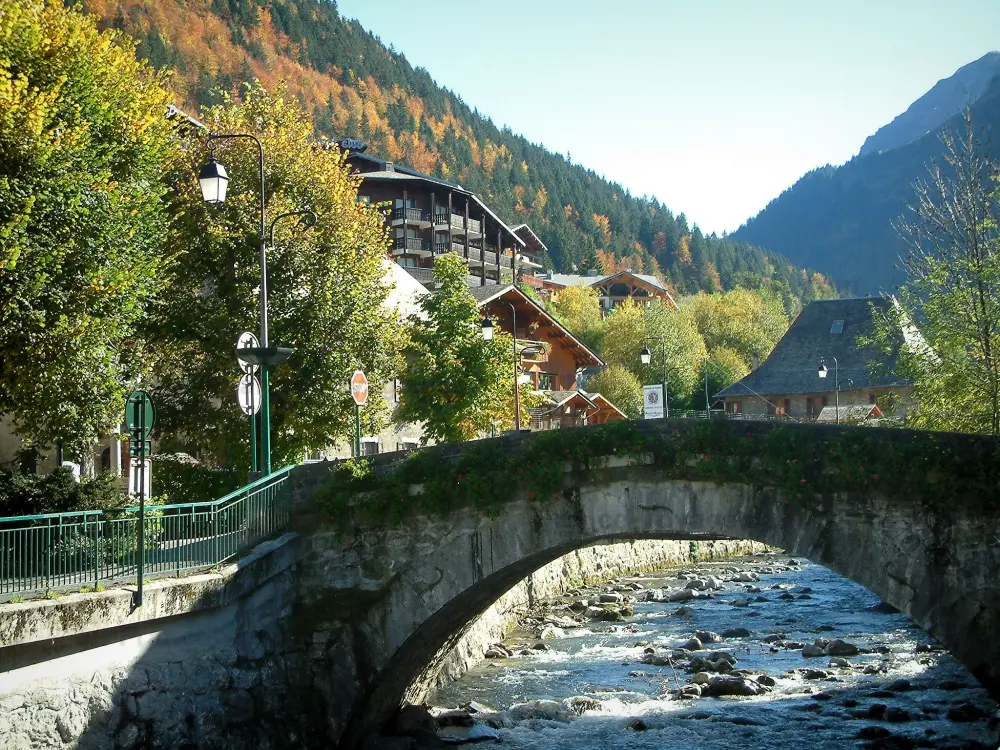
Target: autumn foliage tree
325, 289
84, 149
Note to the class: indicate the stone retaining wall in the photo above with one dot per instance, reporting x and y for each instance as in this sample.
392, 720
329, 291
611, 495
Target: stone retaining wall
587, 565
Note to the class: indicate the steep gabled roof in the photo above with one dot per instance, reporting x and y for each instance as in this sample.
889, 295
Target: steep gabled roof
486, 294
812, 337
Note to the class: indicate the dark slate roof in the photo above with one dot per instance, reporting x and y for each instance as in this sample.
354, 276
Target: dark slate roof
792, 366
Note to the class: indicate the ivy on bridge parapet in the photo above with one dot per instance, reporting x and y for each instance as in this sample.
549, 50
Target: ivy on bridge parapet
802, 462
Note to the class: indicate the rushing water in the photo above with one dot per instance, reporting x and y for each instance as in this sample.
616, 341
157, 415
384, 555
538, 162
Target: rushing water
604, 663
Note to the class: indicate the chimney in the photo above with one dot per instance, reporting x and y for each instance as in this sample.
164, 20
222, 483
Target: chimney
390, 167
756, 362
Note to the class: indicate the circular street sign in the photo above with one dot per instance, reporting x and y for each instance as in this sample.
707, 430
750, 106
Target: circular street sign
359, 388
246, 341
139, 410
248, 394
653, 397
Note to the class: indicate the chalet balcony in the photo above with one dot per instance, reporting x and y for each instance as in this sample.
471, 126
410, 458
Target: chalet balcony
411, 246
533, 352
527, 261
443, 220
411, 216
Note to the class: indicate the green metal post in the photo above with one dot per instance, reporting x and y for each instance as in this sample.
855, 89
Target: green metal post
265, 421
357, 430
708, 408
141, 558
253, 428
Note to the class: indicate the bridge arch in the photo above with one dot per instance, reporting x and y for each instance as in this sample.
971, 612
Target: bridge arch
426, 580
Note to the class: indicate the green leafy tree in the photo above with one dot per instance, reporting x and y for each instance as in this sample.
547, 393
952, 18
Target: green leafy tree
725, 367
325, 290
630, 327
84, 148
747, 322
458, 385
579, 309
621, 387
949, 307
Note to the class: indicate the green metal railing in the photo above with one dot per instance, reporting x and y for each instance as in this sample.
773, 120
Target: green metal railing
84, 548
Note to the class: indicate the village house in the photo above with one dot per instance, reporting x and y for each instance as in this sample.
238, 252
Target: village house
612, 289
824, 337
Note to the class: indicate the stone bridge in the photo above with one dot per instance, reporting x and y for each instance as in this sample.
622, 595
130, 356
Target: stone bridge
318, 637
392, 596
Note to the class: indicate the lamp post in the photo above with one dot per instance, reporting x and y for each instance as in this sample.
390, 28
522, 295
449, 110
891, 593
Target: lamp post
822, 371
487, 328
214, 181
646, 356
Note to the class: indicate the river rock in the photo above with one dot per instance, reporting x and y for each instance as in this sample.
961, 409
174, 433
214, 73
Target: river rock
566, 623
811, 650
693, 644
895, 714
731, 685
815, 674
900, 686
746, 577
452, 717
680, 595
765, 680
654, 595
736, 633
837, 647
701, 678
838, 661
410, 718
637, 725
707, 636
689, 691
476, 733
551, 631
713, 583
696, 584
877, 710
873, 733
787, 597
611, 598
966, 712
497, 651
578, 704
740, 603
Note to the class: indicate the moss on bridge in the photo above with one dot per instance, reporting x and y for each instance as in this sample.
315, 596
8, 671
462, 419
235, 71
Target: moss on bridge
801, 461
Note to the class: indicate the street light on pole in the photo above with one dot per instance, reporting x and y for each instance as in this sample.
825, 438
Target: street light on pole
646, 356
822, 371
487, 330
214, 181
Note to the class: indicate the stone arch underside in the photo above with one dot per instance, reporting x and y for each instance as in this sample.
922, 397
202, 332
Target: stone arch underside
429, 579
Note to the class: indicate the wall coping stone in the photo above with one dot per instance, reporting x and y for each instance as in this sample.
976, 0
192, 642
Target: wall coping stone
72, 614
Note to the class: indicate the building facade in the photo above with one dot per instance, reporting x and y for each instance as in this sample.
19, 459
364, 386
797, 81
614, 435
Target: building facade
824, 335
612, 289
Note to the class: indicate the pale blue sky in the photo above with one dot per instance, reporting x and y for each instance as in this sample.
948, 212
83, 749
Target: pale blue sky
713, 106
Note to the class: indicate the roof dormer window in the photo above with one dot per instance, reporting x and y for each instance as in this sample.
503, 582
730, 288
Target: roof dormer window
837, 327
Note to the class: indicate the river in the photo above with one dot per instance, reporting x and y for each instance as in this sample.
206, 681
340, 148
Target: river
614, 685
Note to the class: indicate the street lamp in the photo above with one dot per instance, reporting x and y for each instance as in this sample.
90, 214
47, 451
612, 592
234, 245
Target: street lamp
823, 370
214, 181
487, 331
646, 356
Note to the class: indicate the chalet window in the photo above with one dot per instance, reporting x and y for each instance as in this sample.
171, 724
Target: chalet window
872, 398
810, 406
837, 327
406, 445
547, 381
369, 446
736, 407
397, 388
787, 408
825, 400
619, 290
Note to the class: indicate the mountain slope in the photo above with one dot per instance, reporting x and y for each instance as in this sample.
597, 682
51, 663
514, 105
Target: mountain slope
354, 86
946, 99
839, 219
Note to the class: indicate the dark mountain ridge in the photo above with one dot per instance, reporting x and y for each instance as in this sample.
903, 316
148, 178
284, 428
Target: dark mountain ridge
839, 220
947, 98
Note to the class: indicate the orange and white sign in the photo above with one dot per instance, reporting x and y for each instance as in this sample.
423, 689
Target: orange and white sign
359, 387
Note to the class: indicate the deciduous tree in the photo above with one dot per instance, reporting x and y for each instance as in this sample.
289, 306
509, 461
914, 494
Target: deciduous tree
621, 387
84, 148
952, 292
457, 384
325, 289
579, 309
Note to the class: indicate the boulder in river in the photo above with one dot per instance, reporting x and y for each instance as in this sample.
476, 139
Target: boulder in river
693, 644
746, 577
837, 647
736, 633
811, 650
680, 595
707, 636
689, 691
731, 685
612, 598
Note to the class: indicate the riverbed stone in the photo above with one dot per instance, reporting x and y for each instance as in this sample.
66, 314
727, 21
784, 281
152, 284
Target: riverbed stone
736, 633
838, 647
720, 685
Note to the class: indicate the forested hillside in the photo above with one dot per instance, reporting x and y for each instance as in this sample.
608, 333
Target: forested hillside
840, 219
354, 86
